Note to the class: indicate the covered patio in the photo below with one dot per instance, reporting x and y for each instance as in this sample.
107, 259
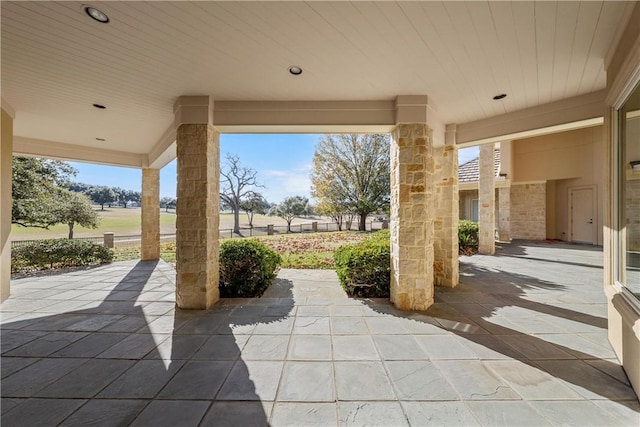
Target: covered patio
521, 341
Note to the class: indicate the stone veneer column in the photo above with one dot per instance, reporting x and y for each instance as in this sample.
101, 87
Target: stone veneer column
487, 201
6, 176
411, 221
446, 213
504, 214
197, 219
150, 249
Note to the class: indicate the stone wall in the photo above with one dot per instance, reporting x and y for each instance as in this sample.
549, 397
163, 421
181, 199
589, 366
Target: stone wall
411, 221
445, 212
150, 229
528, 211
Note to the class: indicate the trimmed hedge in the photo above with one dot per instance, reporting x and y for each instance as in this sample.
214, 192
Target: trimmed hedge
364, 268
467, 237
247, 267
57, 253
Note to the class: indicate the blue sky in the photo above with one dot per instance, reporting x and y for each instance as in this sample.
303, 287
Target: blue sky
283, 163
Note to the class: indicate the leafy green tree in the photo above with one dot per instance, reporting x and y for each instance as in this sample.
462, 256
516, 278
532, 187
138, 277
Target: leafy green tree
339, 213
37, 188
352, 171
254, 204
124, 197
168, 203
101, 194
76, 208
290, 208
236, 184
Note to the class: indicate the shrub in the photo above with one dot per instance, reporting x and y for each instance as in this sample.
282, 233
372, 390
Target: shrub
57, 253
364, 268
467, 237
247, 267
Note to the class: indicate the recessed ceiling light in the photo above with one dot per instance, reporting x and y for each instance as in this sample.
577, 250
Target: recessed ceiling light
99, 106
100, 139
96, 14
501, 96
295, 70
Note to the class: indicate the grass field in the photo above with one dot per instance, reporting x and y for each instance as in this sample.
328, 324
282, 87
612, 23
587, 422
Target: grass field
125, 222
314, 250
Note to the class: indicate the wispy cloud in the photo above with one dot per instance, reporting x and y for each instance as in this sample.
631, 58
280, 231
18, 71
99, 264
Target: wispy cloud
286, 183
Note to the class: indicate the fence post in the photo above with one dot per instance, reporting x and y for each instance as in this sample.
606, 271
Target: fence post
108, 240
270, 229
314, 226
385, 224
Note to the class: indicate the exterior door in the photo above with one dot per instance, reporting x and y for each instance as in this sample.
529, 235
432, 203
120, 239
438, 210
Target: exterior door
583, 224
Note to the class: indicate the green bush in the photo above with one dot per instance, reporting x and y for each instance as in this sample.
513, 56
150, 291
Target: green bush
364, 268
247, 267
467, 237
56, 253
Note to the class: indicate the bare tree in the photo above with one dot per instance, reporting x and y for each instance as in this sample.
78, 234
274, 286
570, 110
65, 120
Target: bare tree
237, 183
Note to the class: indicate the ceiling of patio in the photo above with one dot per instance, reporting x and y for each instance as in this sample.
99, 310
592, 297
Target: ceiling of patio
57, 62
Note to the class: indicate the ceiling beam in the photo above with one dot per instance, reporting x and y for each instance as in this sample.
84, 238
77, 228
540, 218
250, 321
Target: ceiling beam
567, 114
62, 151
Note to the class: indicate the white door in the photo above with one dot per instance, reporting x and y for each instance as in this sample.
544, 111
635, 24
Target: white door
583, 224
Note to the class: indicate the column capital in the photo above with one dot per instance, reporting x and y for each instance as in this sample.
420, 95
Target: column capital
450, 134
420, 109
193, 110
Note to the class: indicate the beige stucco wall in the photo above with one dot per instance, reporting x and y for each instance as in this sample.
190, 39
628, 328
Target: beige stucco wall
6, 153
623, 311
572, 159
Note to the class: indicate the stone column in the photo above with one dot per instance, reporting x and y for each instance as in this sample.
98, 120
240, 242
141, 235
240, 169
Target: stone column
150, 246
6, 176
446, 213
198, 218
487, 201
411, 221
504, 214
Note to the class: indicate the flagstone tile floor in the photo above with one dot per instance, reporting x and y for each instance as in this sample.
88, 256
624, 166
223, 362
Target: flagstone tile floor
521, 341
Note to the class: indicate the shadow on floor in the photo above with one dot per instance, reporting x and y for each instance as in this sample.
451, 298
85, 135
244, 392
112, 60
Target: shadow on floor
473, 311
131, 359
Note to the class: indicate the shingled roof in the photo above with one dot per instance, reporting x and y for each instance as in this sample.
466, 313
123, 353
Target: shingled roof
470, 171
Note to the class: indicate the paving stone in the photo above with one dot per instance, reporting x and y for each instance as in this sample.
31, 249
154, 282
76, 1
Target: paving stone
234, 414
507, 414
419, 380
135, 346
582, 413
354, 347
307, 381
473, 381
46, 344
265, 347
11, 365
311, 325
274, 326
348, 326
535, 348
303, 414
444, 347
530, 382
171, 413
28, 381
143, 380
91, 345
178, 347
398, 347
371, 414
221, 347
40, 412
309, 347
627, 412
197, 380
362, 381
106, 413
86, 380
454, 414
252, 380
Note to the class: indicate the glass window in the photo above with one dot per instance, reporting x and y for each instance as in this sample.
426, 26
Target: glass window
629, 198
474, 210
